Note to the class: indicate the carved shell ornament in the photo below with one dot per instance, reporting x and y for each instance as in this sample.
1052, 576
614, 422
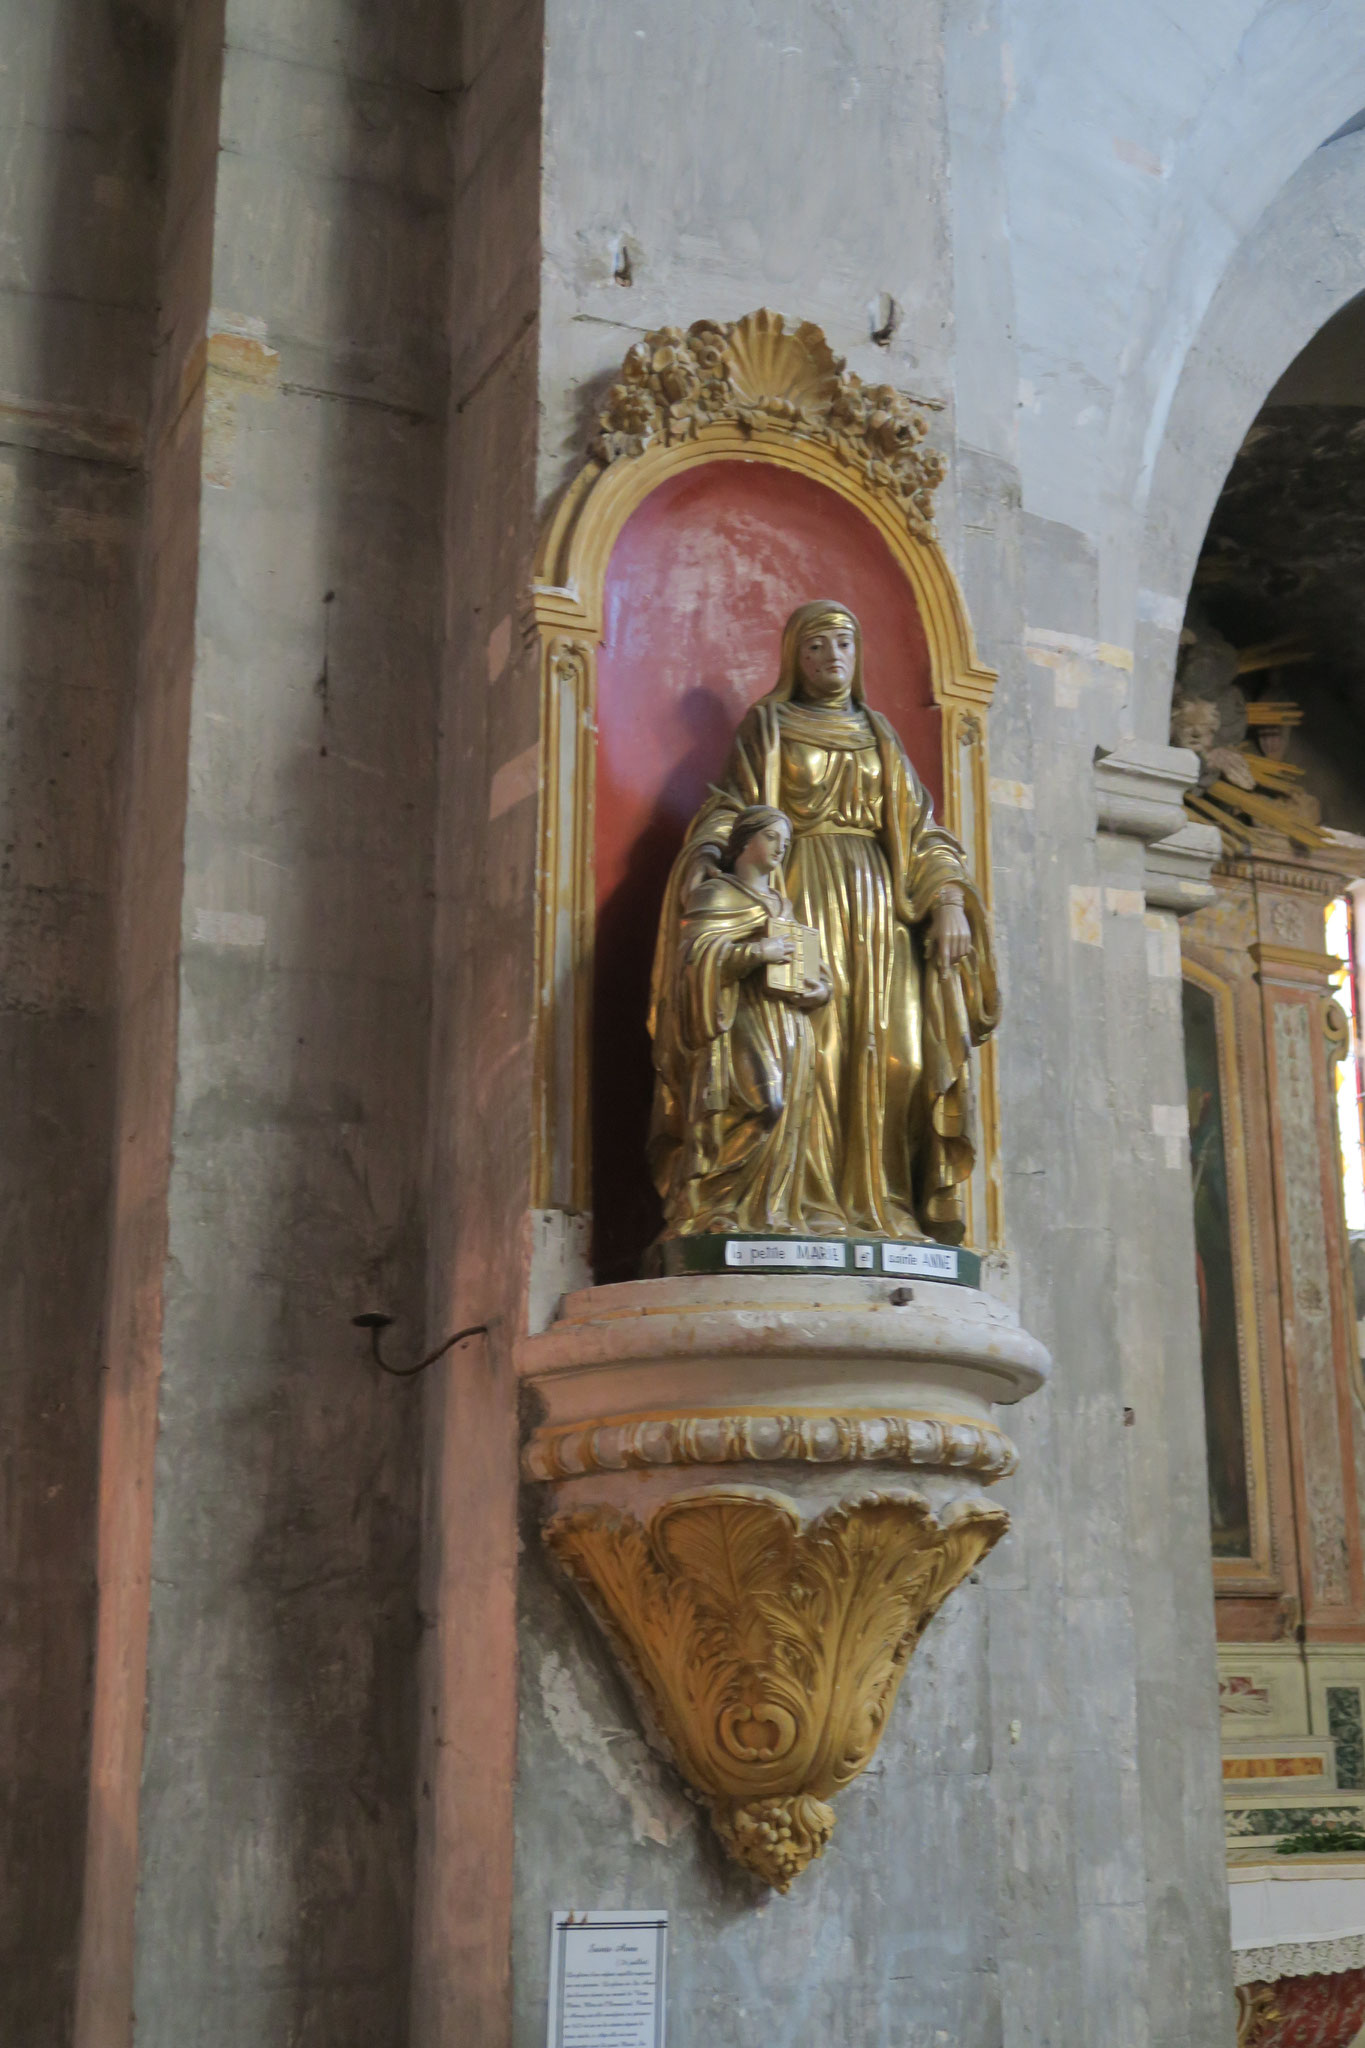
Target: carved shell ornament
757, 372
766, 1656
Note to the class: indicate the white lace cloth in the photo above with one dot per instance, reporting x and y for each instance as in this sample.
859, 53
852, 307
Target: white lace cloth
1303, 1922
1298, 1959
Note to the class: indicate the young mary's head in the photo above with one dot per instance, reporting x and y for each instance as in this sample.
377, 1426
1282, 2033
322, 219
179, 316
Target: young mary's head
758, 843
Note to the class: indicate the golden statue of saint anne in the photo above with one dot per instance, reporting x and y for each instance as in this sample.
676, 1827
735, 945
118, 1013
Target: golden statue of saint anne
834, 1103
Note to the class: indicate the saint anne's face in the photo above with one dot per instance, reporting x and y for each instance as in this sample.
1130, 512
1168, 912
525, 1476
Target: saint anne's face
827, 659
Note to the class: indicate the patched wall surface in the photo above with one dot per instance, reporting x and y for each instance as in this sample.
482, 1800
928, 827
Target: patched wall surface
301, 662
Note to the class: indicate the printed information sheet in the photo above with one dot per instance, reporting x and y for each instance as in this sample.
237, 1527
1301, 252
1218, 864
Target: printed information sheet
607, 1980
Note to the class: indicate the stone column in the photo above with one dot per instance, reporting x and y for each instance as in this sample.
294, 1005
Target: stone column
276, 1818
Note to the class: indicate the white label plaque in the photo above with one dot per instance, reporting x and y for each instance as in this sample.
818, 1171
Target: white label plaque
927, 1261
787, 1251
608, 1975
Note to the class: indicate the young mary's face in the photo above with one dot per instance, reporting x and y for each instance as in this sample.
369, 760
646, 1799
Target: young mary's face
766, 850
827, 659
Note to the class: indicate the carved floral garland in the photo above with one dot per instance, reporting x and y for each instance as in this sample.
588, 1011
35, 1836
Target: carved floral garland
754, 372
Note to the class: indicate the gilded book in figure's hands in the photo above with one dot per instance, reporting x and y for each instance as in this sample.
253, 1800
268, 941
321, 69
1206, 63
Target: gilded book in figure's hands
790, 977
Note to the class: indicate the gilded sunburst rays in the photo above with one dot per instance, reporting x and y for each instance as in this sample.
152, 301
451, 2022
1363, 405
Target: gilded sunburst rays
755, 371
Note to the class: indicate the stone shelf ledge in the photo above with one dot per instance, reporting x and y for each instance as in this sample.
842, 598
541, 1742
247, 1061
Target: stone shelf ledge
1140, 794
763, 1370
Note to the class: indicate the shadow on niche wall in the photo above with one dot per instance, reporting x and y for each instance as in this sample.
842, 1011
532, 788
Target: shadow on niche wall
84, 95
626, 1206
282, 1720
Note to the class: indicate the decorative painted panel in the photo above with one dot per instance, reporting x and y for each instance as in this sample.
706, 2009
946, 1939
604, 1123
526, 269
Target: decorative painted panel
1344, 1725
1262, 1691
1230, 1324
1310, 1306
1225, 1419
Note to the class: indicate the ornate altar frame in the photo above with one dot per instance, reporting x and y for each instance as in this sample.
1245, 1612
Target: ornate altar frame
1258, 949
751, 391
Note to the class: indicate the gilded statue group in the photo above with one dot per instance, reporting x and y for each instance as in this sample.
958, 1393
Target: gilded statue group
823, 969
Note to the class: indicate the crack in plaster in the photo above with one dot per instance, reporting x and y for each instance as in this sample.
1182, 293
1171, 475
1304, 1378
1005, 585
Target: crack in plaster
657, 1814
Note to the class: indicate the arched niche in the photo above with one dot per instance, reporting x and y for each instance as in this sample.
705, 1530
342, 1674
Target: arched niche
699, 583
662, 585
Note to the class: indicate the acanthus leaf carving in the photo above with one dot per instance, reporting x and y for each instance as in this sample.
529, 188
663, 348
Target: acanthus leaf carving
755, 372
765, 1656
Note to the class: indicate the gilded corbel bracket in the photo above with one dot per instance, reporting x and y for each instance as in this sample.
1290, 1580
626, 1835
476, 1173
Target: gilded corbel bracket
765, 1656
751, 1480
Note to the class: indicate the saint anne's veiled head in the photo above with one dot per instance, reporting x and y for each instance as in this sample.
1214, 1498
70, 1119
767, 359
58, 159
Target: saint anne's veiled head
819, 616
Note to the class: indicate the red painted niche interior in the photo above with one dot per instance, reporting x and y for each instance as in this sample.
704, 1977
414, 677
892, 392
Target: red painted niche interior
701, 581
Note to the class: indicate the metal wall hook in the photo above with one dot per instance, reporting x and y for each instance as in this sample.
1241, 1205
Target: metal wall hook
376, 1323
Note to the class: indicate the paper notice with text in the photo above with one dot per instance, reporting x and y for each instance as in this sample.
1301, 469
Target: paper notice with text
607, 1980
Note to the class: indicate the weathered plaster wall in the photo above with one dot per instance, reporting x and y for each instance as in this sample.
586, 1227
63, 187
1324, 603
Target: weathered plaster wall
1159, 142
890, 1937
1150, 335
480, 1115
1055, 355
765, 153
85, 100
278, 1782
152, 773
1105, 234
1331, 369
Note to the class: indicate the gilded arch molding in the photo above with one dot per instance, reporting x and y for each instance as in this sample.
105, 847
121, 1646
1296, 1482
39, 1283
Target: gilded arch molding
755, 390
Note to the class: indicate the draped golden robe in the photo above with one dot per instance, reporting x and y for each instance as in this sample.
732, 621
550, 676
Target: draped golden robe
746, 1065
890, 1135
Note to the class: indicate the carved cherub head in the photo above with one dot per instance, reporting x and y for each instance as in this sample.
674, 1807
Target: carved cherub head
1210, 708
1200, 724
1194, 723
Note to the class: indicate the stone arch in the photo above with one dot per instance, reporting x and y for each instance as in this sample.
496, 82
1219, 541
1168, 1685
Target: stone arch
1302, 263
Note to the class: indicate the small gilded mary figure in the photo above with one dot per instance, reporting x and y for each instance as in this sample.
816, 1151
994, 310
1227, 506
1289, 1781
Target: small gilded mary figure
886, 1141
742, 1052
